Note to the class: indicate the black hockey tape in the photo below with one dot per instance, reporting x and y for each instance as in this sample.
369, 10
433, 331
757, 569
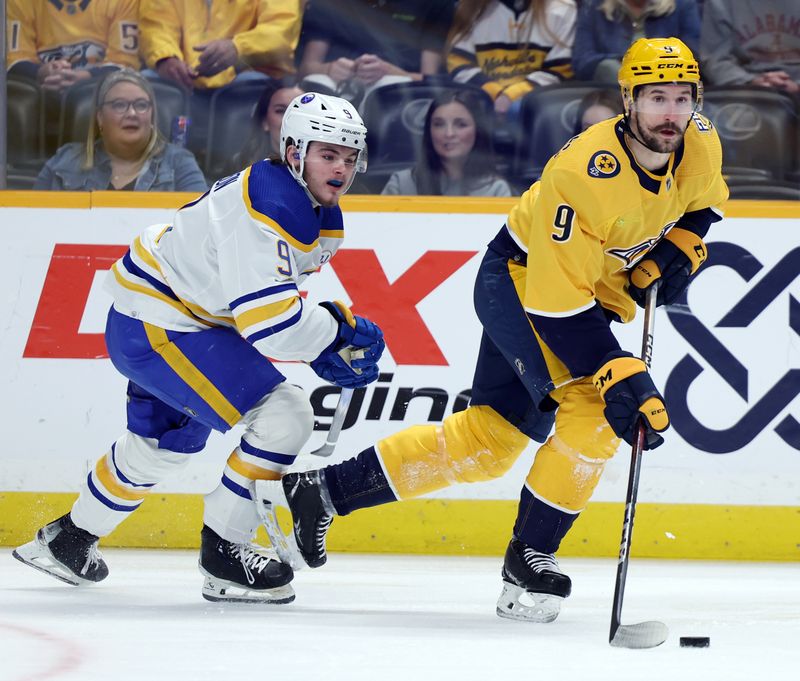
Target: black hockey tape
695, 642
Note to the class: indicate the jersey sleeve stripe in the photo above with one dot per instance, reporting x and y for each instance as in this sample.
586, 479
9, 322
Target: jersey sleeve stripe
268, 221
277, 328
258, 315
332, 233
191, 375
263, 293
560, 315
285, 459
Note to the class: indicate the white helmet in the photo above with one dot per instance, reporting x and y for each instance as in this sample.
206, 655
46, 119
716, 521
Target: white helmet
313, 117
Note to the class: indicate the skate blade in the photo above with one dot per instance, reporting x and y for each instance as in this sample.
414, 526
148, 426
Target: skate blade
517, 604
269, 495
36, 555
221, 591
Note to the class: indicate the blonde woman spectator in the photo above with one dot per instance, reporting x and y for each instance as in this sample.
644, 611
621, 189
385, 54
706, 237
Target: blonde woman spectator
749, 42
606, 28
456, 158
509, 48
124, 149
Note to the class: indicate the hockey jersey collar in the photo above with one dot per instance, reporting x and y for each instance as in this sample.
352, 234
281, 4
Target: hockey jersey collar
646, 179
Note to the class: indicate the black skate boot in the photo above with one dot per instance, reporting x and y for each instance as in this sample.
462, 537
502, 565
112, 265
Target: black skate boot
533, 585
66, 552
312, 514
241, 572
306, 497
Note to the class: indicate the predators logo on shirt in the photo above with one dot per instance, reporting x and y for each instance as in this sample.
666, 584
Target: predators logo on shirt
603, 164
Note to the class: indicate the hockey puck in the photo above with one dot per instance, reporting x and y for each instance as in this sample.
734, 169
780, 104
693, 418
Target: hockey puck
695, 642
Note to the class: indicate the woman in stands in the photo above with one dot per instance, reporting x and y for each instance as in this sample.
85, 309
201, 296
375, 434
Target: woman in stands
606, 28
265, 133
597, 106
124, 149
511, 47
456, 158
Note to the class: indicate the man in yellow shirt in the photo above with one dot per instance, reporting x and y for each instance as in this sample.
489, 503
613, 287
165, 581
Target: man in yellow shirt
622, 205
203, 45
60, 43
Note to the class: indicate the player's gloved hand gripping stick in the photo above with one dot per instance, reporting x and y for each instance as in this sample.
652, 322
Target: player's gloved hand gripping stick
643, 634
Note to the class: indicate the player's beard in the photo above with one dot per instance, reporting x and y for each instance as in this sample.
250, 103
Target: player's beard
649, 137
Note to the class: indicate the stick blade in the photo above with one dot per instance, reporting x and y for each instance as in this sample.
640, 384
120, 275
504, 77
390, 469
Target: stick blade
325, 450
641, 635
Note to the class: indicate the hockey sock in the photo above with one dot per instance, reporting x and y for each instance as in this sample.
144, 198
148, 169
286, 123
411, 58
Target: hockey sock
540, 525
358, 483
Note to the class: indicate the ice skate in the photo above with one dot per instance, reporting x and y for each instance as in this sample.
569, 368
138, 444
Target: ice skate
306, 497
241, 572
66, 552
533, 585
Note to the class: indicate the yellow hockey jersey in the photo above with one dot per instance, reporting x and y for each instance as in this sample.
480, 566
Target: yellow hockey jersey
84, 32
509, 53
590, 218
265, 33
595, 213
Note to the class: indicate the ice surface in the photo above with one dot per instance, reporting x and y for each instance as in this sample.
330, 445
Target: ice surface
362, 618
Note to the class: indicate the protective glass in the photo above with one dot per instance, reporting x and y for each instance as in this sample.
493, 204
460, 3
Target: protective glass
121, 106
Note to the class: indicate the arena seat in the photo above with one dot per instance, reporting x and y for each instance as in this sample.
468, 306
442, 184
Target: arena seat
76, 109
758, 129
765, 190
547, 121
395, 116
229, 124
25, 155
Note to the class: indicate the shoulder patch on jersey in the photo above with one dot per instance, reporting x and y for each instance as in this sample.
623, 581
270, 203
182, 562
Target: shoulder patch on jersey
603, 164
702, 123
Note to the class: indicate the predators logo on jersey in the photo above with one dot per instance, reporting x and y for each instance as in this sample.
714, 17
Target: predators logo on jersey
603, 164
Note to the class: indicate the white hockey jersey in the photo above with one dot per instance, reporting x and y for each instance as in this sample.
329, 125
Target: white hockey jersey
234, 257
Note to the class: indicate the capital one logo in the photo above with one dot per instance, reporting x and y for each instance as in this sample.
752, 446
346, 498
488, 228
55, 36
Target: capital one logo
770, 287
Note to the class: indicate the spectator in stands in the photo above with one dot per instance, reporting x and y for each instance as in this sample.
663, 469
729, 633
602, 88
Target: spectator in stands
456, 158
124, 149
752, 43
508, 48
265, 133
60, 43
353, 46
606, 28
598, 105
204, 45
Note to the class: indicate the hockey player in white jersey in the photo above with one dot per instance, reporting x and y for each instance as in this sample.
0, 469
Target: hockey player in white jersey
199, 307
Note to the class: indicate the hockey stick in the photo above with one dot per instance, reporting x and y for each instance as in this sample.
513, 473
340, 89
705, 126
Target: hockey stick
336, 424
643, 634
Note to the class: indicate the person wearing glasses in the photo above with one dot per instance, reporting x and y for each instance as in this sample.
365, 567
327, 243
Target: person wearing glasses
124, 149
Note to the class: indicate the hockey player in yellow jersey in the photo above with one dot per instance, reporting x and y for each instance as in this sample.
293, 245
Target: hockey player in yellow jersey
621, 206
200, 305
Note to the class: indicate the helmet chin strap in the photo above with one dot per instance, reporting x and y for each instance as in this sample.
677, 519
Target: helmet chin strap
626, 121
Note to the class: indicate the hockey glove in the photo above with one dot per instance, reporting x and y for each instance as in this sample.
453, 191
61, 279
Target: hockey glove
338, 368
351, 361
630, 396
356, 332
672, 261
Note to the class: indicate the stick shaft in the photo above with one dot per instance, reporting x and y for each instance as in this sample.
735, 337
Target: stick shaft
635, 470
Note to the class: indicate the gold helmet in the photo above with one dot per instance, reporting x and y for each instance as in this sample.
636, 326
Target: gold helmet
658, 60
